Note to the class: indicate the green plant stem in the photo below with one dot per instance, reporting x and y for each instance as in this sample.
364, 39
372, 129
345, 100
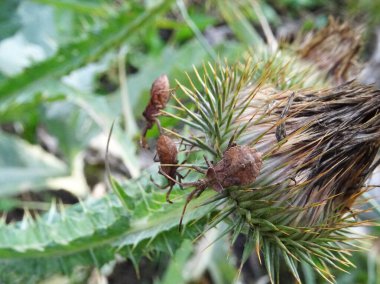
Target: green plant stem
196, 31
129, 120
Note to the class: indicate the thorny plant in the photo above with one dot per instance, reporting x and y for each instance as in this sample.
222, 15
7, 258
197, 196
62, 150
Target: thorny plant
318, 149
239, 166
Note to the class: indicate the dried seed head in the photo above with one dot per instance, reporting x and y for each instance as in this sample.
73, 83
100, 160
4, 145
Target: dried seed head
167, 153
240, 166
334, 49
325, 149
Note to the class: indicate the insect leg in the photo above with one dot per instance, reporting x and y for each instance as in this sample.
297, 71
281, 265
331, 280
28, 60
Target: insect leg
168, 194
198, 169
143, 142
158, 185
159, 126
160, 171
196, 192
209, 165
231, 142
185, 175
149, 125
155, 158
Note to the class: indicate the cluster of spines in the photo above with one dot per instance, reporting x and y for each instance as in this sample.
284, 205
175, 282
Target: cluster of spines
267, 212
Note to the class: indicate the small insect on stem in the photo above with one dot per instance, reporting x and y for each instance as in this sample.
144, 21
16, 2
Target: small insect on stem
167, 156
281, 130
159, 97
239, 166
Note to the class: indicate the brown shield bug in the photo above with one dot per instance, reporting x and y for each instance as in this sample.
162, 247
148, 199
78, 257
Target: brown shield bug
239, 166
159, 97
167, 156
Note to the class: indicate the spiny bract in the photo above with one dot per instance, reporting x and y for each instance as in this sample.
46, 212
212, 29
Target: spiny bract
297, 209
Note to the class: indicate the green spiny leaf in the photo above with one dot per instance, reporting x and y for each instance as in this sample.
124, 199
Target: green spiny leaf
93, 232
78, 54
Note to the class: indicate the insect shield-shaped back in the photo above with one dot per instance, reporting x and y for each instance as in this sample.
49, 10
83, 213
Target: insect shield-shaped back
240, 166
160, 92
167, 154
159, 97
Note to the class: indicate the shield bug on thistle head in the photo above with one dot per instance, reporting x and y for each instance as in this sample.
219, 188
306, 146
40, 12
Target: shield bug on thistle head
239, 166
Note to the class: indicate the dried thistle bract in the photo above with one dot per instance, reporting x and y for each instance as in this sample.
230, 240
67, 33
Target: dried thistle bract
319, 147
334, 49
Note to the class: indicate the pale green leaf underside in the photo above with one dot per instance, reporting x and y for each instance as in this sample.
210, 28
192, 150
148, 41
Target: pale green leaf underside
91, 233
24, 166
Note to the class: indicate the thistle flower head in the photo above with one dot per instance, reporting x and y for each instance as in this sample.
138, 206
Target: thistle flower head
317, 149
